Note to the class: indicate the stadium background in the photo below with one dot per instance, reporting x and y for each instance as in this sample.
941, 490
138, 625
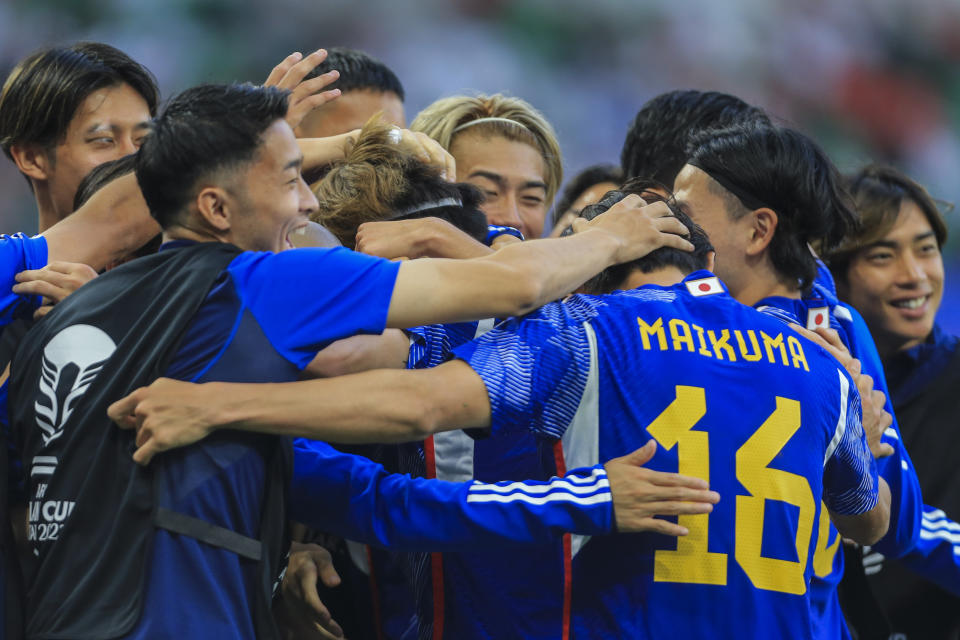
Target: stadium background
868, 78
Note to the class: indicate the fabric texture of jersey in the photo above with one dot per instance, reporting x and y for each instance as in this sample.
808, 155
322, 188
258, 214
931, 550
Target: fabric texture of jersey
729, 395
485, 593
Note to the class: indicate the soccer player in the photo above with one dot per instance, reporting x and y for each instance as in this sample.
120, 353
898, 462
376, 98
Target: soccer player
367, 87
657, 146
764, 194
222, 301
891, 270
63, 110
725, 392
504, 146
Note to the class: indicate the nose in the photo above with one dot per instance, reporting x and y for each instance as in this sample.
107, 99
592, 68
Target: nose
909, 270
504, 211
308, 201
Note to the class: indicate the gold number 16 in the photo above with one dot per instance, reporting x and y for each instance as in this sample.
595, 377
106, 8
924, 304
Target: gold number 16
692, 562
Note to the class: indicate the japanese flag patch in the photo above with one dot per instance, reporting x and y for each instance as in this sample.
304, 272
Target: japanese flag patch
818, 318
704, 286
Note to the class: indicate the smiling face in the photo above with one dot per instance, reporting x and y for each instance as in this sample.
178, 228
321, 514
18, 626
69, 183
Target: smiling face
896, 283
511, 175
269, 198
110, 123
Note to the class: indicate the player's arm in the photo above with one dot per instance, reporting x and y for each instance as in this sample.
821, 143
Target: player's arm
114, 222
883, 434
857, 497
356, 354
355, 498
374, 406
868, 527
524, 276
936, 555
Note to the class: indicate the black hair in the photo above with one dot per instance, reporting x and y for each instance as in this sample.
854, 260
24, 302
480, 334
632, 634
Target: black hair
656, 143
592, 175
204, 129
42, 94
466, 216
358, 71
784, 170
686, 261
878, 191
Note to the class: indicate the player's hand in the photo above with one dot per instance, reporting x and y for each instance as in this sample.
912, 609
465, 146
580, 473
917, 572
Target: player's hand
875, 418
166, 415
306, 95
641, 494
639, 227
54, 282
426, 150
417, 238
301, 611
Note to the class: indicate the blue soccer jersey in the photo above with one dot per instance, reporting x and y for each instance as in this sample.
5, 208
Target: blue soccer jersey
730, 396
486, 592
820, 308
18, 253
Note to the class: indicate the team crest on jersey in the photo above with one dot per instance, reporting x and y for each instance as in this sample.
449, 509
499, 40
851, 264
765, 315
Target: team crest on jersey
71, 361
704, 286
818, 318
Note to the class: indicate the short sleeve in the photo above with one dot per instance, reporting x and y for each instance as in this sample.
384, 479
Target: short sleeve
431, 345
18, 253
535, 370
304, 299
850, 480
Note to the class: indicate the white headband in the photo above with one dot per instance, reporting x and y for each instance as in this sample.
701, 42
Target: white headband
482, 120
433, 204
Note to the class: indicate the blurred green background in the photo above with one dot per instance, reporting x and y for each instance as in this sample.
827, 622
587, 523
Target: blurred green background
871, 80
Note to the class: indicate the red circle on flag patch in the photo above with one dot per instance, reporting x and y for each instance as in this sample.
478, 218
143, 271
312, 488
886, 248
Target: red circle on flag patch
704, 286
819, 318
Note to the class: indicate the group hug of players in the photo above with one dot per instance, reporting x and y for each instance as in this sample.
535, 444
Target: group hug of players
267, 323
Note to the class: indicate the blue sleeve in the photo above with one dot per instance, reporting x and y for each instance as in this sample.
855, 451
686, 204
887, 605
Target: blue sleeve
18, 253
535, 370
304, 299
936, 555
850, 481
355, 498
432, 344
906, 501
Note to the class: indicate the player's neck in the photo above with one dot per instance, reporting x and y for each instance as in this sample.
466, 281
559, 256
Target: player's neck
664, 277
48, 215
756, 289
177, 232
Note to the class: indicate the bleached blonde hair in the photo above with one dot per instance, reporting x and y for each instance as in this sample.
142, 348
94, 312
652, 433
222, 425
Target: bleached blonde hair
495, 115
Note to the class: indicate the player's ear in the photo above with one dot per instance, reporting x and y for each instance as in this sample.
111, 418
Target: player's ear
32, 160
711, 258
763, 225
215, 206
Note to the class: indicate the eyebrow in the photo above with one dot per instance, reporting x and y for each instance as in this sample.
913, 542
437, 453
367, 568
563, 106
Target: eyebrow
501, 181
104, 126
296, 163
890, 244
